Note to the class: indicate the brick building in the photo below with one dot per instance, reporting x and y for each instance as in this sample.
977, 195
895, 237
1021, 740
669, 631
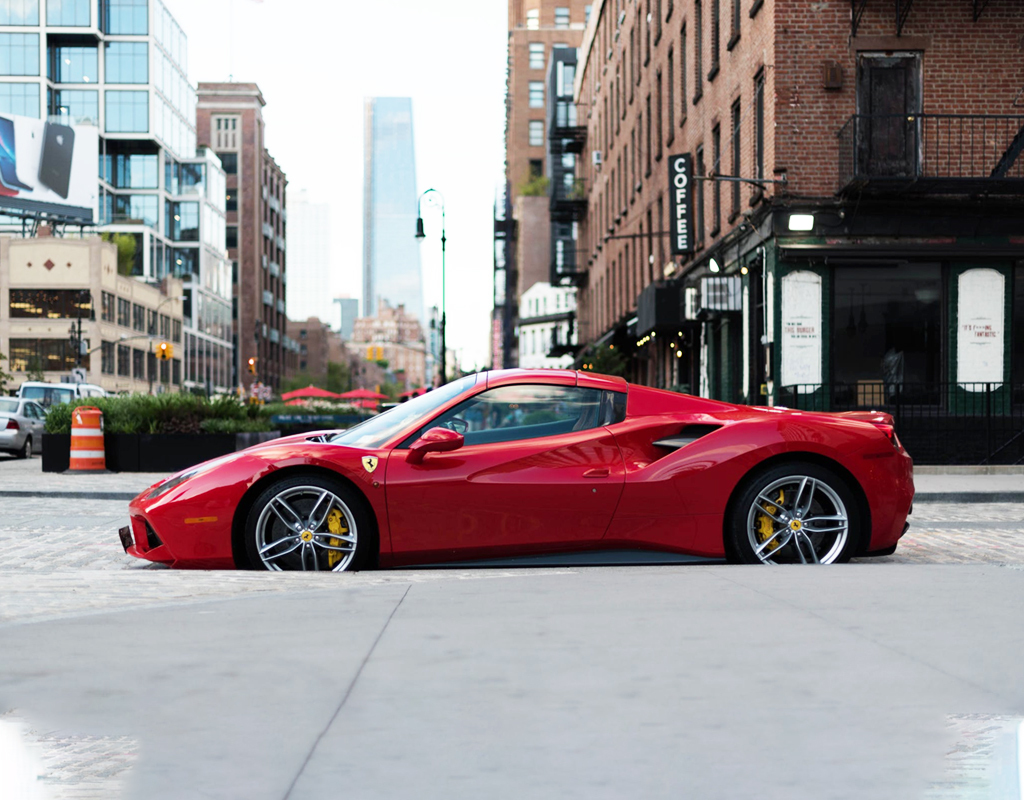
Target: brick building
869, 253
522, 219
393, 336
229, 119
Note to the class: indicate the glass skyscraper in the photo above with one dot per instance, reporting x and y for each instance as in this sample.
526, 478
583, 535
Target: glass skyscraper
391, 257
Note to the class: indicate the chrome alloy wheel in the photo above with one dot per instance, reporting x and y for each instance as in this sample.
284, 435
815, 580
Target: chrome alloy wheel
798, 519
306, 528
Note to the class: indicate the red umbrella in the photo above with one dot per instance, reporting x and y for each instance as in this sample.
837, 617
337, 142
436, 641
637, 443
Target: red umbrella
296, 402
310, 391
363, 394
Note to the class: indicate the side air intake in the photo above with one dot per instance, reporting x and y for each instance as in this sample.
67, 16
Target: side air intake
687, 435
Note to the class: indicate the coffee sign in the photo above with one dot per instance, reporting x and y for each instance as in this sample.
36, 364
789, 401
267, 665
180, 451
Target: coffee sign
680, 174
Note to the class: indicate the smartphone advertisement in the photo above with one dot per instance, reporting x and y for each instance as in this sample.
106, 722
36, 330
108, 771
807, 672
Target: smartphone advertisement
48, 166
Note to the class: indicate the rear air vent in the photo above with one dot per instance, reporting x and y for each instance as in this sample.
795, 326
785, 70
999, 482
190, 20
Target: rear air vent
687, 435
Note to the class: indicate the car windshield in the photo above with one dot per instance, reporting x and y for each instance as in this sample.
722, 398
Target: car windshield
377, 430
48, 395
8, 406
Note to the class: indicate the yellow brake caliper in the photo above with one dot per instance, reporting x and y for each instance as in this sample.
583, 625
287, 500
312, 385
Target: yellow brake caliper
764, 524
335, 524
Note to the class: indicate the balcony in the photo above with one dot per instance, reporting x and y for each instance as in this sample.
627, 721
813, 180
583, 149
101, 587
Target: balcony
568, 197
565, 128
932, 154
565, 269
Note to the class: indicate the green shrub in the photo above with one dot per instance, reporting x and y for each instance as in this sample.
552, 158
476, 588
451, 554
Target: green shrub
165, 413
259, 425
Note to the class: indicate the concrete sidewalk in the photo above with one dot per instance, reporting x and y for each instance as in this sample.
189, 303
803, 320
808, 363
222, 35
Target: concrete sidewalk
934, 484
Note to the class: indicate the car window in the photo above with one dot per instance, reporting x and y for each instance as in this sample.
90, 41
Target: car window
8, 406
515, 413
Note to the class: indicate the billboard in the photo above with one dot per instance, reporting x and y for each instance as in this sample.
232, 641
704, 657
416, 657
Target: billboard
49, 167
680, 176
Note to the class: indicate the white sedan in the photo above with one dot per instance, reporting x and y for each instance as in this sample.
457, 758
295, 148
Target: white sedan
22, 423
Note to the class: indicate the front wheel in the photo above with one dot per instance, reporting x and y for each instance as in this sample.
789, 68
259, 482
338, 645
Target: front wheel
309, 523
795, 513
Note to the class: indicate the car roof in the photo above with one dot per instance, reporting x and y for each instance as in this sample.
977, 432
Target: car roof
560, 377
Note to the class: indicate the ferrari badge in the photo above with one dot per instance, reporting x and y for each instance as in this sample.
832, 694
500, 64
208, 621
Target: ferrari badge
369, 463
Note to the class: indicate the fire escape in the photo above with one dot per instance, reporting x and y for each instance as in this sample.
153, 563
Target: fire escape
566, 139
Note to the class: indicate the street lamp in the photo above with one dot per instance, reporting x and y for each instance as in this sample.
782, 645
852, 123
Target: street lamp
151, 365
420, 235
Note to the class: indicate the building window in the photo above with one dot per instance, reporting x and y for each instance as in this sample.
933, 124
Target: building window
231, 237
715, 38
671, 97
716, 189
20, 98
698, 50
49, 304
108, 307
735, 146
229, 161
124, 312
698, 197
735, 35
759, 127
138, 208
127, 62
561, 17
533, 19
647, 35
586, 14
536, 55
647, 155
19, 12
76, 105
126, 17
52, 355
536, 94
131, 170
138, 318
19, 53
124, 365
536, 133
74, 64
107, 358
657, 21
658, 134
139, 364
127, 111
68, 13
182, 222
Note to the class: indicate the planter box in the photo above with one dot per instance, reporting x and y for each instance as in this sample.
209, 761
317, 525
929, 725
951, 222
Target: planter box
144, 452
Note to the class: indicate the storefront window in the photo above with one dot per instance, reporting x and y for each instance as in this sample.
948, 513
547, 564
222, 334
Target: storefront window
887, 329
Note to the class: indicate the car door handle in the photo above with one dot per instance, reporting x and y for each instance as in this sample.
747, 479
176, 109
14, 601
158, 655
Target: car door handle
597, 472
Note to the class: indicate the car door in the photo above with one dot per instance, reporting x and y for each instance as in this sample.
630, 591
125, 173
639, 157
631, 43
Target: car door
37, 417
538, 472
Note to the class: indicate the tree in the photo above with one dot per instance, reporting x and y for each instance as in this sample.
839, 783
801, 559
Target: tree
4, 376
338, 380
126, 245
605, 360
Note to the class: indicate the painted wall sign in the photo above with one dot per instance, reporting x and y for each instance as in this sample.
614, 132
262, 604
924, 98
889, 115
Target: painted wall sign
980, 328
680, 176
801, 329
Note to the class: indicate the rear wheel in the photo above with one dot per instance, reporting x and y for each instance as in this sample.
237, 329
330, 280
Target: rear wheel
796, 513
309, 523
26, 450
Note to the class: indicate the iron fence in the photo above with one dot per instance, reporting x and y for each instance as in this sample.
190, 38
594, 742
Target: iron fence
938, 423
946, 147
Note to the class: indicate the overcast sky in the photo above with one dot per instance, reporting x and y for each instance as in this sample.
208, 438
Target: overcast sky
315, 61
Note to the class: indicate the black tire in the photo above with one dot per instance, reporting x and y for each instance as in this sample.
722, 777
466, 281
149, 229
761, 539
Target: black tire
26, 450
323, 545
794, 527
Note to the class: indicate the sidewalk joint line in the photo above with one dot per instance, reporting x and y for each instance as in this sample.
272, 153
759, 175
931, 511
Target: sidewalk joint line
348, 693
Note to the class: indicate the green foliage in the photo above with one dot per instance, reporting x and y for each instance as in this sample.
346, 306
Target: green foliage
125, 243
605, 360
337, 381
4, 376
164, 413
536, 186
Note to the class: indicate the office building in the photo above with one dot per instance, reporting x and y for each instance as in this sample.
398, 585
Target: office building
121, 65
393, 338
391, 256
309, 258
229, 120
347, 314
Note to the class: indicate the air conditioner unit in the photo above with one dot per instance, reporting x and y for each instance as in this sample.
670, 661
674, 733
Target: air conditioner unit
596, 157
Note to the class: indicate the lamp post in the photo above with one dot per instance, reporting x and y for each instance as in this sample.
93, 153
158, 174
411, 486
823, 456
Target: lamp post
420, 235
151, 365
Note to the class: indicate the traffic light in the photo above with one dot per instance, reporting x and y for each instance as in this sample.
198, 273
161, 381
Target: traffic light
252, 365
165, 351
369, 352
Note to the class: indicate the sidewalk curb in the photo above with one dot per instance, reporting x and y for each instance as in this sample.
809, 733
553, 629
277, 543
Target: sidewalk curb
126, 496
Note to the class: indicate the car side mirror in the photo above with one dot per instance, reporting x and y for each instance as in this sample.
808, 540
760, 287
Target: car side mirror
435, 440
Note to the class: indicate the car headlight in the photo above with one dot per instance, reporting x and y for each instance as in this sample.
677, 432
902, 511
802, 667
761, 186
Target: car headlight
170, 483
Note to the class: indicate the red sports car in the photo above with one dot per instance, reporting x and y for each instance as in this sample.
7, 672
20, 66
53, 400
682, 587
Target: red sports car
539, 465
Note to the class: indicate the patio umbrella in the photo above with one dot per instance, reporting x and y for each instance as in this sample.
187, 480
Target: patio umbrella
363, 394
310, 391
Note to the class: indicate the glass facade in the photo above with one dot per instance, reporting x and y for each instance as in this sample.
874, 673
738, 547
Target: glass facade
127, 62
19, 12
127, 111
48, 354
49, 304
76, 105
19, 53
73, 64
68, 13
126, 17
131, 170
19, 98
391, 261
182, 222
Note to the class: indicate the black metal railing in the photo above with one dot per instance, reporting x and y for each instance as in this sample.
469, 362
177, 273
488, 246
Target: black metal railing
565, 116
974, 151
938, 423
568, 197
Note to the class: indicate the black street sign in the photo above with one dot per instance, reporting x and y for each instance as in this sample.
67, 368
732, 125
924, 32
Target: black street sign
680, 175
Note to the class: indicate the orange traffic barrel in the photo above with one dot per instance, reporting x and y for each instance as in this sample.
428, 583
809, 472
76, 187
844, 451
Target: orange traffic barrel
87, 439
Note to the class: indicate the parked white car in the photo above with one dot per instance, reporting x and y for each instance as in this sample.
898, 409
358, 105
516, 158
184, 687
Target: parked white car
48, 394
22, 423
